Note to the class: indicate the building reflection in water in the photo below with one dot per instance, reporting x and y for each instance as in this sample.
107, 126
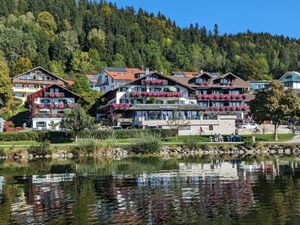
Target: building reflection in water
1, 188
42, 198
193, 190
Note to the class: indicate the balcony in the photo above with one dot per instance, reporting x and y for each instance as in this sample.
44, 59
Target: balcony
155, 82
54, 95
44, 115
229, 108
222, 96
156, 94
55, 106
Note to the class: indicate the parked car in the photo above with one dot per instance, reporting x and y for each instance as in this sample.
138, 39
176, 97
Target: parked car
117, 128
250, 126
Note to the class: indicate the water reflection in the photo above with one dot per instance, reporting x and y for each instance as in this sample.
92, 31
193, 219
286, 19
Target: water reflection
152, 191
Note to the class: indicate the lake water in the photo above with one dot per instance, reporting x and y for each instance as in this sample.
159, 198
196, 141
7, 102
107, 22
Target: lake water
260, 191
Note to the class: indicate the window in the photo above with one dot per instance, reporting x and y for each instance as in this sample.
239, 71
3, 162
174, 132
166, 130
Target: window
210, 117
123, 100
234, 103
18, 85
123, 89
234, 92
40, 124
219, 92
203, 104
31, 86
20, 95
218, 104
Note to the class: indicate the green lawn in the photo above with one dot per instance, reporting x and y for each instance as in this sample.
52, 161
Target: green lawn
165, 141
268, 137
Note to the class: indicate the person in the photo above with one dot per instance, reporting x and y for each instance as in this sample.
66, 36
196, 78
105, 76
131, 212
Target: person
201, 131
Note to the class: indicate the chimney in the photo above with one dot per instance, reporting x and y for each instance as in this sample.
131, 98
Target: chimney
147, 71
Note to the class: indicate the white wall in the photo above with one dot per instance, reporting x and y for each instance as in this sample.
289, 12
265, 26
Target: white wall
47, 121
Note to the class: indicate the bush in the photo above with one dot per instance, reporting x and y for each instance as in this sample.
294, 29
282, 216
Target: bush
19, 136
90, 147
42, 149
62, 137
125, 134
146, 145
2, 153
52, 136
191, 145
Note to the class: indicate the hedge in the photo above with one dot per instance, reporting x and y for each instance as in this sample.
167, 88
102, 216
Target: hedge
59, 136
125, 134
52, 136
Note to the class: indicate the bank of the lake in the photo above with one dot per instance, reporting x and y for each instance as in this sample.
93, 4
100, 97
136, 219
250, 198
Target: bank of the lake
121, 148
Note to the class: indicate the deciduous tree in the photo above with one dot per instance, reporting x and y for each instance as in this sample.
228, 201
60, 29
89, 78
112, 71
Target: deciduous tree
275, 104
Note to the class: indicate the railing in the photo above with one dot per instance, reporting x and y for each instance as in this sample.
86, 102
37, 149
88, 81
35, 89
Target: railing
156, 94
55, 95
55, 106
155, 82
42, 115
222, 96
229, 108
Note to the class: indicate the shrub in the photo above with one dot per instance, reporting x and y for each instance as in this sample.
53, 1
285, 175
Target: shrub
90, 147
2, 153
42, 149
191, 145
125, 134
146, 145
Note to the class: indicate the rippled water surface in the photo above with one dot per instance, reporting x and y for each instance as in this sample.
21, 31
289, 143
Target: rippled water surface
258, 191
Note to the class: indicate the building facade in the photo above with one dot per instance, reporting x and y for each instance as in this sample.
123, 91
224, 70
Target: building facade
257, 85
33, 80
110, 77
47, 106
93, 80
201, 104
291, 79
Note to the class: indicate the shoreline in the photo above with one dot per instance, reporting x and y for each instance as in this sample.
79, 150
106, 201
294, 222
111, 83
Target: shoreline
69, 152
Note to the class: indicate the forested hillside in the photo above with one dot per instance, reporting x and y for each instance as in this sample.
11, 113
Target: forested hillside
79, 36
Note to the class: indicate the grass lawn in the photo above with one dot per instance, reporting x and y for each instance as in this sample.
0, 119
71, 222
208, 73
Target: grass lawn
270, 137
165, 141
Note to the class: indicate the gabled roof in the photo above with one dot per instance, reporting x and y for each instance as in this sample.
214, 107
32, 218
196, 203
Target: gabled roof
182, 73
292, 76
45, 71
213, 77
92, 78
170, 78
123, 73
40, 92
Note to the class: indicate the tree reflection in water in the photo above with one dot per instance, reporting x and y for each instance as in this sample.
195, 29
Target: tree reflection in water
151, 191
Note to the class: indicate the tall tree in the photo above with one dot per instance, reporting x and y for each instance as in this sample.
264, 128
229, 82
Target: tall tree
22, 65
275, 104
5, 86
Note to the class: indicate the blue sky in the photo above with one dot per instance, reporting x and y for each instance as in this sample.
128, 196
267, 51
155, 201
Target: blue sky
232, 16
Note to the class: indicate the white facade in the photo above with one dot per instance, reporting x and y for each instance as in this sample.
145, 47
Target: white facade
45, 123
107, 83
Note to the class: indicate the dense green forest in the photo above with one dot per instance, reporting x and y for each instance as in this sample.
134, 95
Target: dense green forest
72, 37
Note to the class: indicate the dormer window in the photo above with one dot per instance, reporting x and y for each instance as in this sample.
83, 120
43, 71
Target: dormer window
152, 78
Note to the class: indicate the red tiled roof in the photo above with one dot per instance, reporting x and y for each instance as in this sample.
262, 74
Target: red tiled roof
92, 78
191, 73
125, 74
70, 82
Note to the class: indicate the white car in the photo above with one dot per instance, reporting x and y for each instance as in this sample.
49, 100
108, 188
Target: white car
249, 126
